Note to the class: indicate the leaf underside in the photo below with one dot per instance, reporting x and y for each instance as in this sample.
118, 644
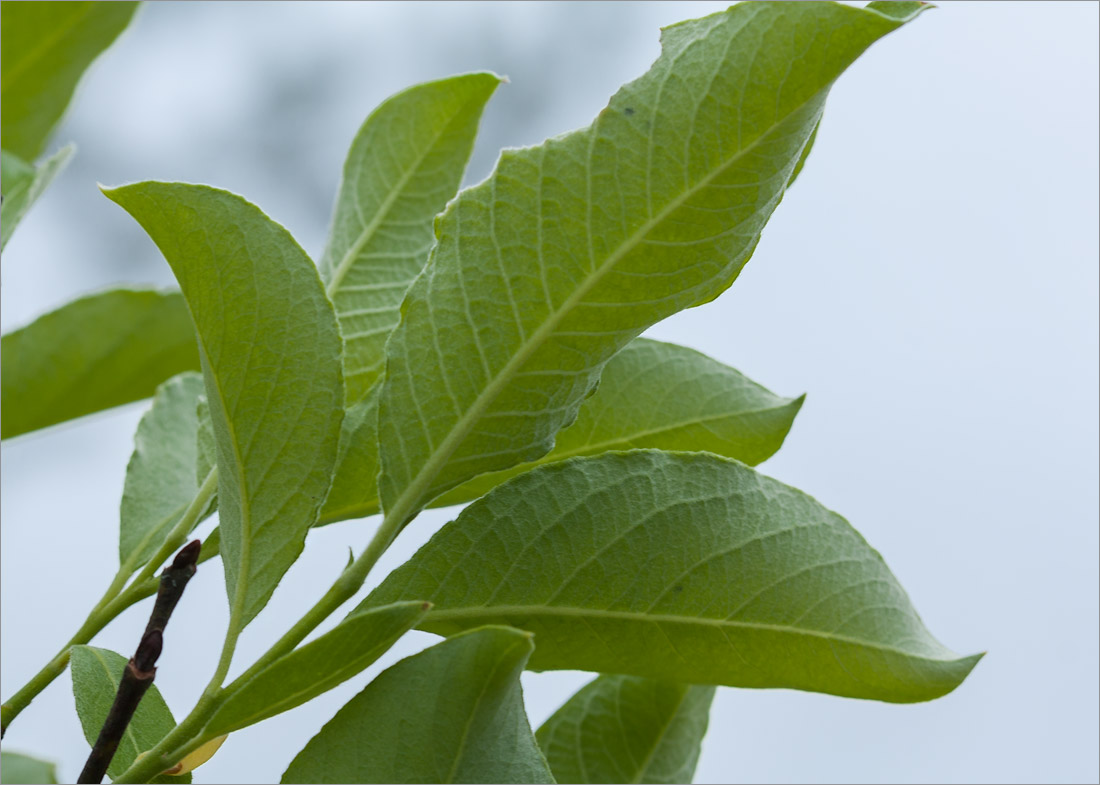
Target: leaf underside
404, 164
270, 353
23, 184
316, 667
94, 353
44, 50
160, 478
572, 248
626, 729
452, 713
96, 675
651, 394
682, 567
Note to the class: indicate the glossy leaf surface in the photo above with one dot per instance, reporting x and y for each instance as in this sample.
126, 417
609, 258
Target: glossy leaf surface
96, 674
44, 50
270, 353
25, 770
452, 713
160, 478
91, 354
405, 163
317, 667
683, 567
572, 248
23, 184
626, 729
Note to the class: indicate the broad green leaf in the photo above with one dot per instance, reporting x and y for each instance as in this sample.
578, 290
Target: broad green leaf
160, 478
651, 394
572, 248
23, 769
405, 163
206, 451
805, 154
316, 667
661, 395
452, 713
626, 729
91, 354
205, 444
270, 352
682, 567
44, 50
354, 492
23, 184
96, 675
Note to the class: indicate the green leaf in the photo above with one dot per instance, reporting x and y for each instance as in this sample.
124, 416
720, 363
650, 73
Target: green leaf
682, 567
20, 768
206, 454
574, 247
317, 667
626, 729
661, 395
206, 446
23, 184
452, 713
405, 163
160, 478
44, 50
96, 676
805, 154
91, 354
354, 492
651, 394
270, 352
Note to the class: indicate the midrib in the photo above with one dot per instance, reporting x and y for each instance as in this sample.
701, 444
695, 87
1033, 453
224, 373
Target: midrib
643, 769
488, 614
488, 679
241, 590
408, 501
383, 211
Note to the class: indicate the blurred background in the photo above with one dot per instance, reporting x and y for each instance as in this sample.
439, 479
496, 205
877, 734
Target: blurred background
931, 283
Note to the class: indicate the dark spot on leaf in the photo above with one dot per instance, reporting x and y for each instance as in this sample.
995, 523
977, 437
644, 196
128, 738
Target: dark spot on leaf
629, 110
678, 587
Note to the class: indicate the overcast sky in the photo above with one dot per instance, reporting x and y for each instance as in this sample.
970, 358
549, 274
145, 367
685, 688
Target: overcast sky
931, 284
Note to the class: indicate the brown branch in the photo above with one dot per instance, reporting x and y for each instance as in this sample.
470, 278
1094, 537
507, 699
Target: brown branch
141, 669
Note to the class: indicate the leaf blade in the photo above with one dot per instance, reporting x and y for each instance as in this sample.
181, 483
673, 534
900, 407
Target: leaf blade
94, 353
160, 477
23, 184
452, 713
46, 47
668, 397
651, 395
682, 567
20, 768
96, 674
316, 667
270, 352
662, 225
405, 163
625, 729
